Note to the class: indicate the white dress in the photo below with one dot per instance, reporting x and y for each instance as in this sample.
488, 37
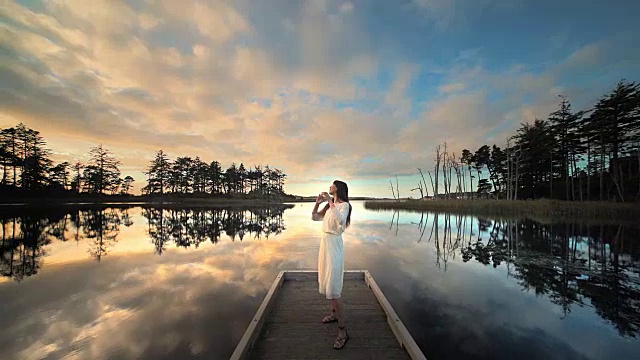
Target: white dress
331, 255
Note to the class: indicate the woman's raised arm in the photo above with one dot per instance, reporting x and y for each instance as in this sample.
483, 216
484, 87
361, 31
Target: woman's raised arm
318, 215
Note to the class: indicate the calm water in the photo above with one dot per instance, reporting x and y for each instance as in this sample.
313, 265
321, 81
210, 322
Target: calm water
86, 283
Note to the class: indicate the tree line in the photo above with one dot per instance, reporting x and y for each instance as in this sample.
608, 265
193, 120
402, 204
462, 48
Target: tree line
584, 155
27, 167
186, 175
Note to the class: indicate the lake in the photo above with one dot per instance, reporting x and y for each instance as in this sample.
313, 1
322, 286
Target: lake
127, 282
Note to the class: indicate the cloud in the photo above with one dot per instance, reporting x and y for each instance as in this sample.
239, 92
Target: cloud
98, 79
292, 85
107, 318
396, 95
346, 7
445, 14
461, 120
451, 87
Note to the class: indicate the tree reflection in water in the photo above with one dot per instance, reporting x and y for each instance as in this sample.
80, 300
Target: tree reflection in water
572, 264
187, 227
25, 232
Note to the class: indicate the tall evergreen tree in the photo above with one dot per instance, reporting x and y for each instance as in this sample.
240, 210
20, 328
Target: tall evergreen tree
534, 141
35, 162
215, 177
565, 125
101, 173
127, 183
76, 182
9, 141
614, 125
482, 157
59, 175
158, 173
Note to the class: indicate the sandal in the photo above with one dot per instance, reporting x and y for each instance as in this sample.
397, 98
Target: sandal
330, 318
341, 341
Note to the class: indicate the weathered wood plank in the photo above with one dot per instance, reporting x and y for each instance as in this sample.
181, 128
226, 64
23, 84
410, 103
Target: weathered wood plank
364, 318
321, 352
292, 328
359, 325
253, 330
362, 337
402, 334
313, 275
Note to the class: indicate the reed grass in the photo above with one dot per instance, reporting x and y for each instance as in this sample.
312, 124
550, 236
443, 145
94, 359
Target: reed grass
539, 210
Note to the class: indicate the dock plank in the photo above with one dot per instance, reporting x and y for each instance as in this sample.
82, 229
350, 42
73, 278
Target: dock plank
292, 327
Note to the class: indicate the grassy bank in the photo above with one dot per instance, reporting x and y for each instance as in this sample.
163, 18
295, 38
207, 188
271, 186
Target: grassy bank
540, 210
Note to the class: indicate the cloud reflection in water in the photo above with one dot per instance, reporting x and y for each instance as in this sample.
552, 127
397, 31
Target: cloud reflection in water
195, 297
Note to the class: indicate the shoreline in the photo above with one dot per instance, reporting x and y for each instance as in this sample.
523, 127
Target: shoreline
538, 210
166, 200
218, 201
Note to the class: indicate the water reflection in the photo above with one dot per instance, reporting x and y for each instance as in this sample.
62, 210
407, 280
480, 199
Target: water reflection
26, 233
187, 227
572, 264
175, 283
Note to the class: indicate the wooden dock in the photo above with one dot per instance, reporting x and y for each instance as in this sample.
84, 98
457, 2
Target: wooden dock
288, 323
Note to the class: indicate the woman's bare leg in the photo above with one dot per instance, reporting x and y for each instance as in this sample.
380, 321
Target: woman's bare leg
342, 332
333, 315
336, 304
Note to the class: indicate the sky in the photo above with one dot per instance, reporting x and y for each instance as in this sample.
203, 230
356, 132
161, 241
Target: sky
356, 90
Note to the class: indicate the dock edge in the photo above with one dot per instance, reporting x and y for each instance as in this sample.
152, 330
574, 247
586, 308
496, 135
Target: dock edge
253, 330
399, 330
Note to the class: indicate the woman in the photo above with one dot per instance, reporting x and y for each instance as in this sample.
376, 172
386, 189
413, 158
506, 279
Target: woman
336, 217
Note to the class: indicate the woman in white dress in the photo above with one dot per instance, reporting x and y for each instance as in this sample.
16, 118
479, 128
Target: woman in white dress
335, 217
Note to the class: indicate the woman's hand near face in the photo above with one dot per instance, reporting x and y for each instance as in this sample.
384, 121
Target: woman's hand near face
320, 199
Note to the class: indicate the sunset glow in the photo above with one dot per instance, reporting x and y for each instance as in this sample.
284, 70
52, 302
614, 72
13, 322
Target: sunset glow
360, 91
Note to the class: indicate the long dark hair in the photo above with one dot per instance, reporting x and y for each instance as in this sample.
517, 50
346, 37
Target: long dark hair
342, 190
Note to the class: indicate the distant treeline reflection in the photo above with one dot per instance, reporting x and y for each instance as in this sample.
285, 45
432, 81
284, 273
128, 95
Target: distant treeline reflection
187, 227
572, 264
26, 232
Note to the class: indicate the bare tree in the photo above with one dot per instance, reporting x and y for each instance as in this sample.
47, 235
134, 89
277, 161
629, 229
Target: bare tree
437, 171
509, 152
432, 186
450, 165
425, 183
518, 155
445, 160
462, 161
419, 188
456, 167
393, 191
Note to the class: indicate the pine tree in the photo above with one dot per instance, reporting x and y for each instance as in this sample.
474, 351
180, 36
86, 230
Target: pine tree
159, 173
35, 159
565, 125
214, 177
102, 173
127, 183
